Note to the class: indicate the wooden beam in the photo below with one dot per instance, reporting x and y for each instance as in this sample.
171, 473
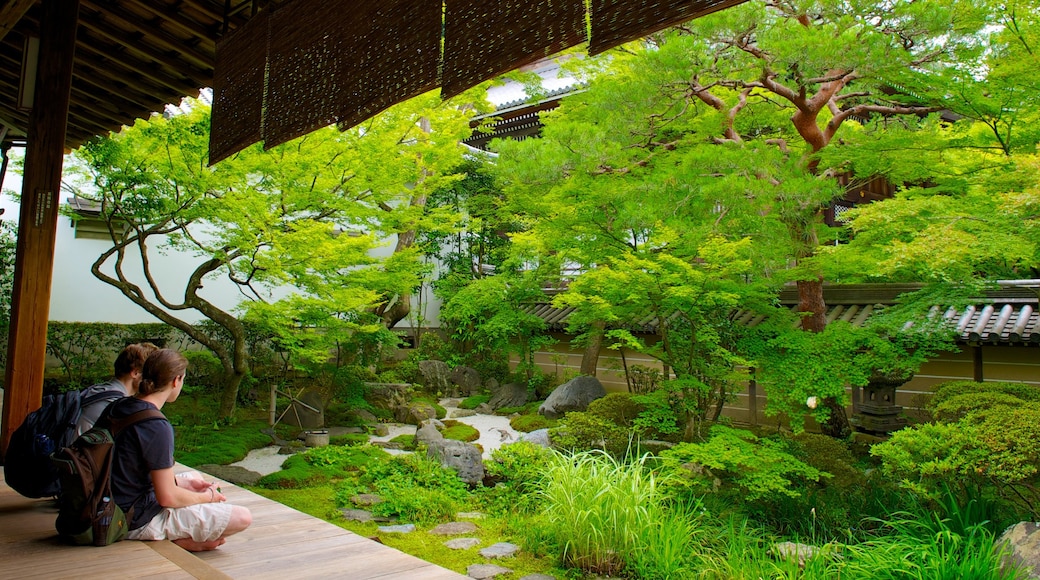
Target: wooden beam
113, 66
38, 219
123, 42
155, 34
11, 14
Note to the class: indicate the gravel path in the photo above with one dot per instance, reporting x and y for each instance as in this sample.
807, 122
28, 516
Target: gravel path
494, 433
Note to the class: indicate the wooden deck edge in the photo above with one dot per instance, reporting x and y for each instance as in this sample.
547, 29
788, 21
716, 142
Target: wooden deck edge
187, 561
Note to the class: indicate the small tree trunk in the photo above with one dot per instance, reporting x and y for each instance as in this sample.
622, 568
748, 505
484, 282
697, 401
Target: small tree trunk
590, 358
810, 299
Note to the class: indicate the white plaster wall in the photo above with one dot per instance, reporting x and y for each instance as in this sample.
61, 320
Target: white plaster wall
77, 296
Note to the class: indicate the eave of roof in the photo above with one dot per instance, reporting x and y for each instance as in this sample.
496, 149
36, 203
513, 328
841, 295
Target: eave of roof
1008, 316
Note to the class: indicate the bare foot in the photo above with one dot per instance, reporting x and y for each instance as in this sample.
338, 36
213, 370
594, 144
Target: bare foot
193, 546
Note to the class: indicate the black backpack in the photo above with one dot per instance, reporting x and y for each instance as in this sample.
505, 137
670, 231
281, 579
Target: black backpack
87, 514
27, 466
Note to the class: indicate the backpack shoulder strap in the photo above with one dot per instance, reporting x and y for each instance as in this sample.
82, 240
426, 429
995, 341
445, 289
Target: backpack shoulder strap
117, 425
87, 398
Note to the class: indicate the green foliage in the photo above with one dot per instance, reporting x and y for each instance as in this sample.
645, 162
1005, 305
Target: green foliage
531, 422
322, 465
581, 431
474, 401
8, 245
734, 460
994, 448
516, 469
620, 408
486, 319
86, 350
460, 431
603, 513
659, 418
953, 400
216, 442
415, 488
204, 369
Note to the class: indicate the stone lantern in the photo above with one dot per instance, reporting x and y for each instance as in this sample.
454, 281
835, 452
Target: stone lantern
877, 412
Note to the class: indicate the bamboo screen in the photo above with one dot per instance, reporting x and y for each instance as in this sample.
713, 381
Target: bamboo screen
311, 42
310, 63
238, 89
615, 22
485, 39
392, 66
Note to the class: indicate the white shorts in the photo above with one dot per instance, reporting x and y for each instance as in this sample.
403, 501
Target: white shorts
202, 522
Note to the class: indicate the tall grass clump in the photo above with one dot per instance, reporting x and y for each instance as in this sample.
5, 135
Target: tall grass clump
916, 548
608, 516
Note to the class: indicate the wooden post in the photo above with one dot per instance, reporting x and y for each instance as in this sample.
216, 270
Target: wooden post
752, 389
38, 219
976, 352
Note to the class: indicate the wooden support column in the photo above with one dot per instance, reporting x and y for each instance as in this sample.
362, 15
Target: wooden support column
38, 219
976, 365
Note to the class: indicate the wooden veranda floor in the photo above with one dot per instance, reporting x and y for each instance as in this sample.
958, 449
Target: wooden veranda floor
282, 544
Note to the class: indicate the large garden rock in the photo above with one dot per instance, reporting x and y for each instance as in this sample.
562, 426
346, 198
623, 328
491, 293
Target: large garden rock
508, 395
1023, 545
235, 474
466, 380
574, 395
436, 376
428, 433
538, 437
386, 396
415, 413
462, 457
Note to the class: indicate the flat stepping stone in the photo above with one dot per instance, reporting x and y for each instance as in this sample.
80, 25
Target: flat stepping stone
454, 529
364, 499
484, 571
500, 550
398, 529
462, 543
357, 515
538, 577
470, 516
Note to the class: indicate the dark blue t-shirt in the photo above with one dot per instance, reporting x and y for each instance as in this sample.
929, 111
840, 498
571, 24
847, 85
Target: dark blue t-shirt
140, 449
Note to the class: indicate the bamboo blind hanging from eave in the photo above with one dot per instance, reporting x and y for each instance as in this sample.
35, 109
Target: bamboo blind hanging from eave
485, 39
616, 22
238, 89
395, 65
312, 45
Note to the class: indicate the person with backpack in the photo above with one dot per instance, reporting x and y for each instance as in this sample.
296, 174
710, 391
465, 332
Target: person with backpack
61, 418
162, 505
123, 384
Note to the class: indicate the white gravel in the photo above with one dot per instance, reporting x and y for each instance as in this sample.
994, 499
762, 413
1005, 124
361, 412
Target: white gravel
494, 433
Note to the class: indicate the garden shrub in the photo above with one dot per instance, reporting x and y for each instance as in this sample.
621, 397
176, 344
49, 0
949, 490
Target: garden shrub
528, 423
204, 370
619, 408
582, 431
460, 431
950, 389
474, 401
996, 448
737, 461
516, 470
659, 417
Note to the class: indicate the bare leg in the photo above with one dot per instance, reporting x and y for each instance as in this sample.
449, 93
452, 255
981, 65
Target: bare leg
193, 546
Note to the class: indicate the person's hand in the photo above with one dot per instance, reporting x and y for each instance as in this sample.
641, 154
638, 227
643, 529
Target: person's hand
215, 495
197, 484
